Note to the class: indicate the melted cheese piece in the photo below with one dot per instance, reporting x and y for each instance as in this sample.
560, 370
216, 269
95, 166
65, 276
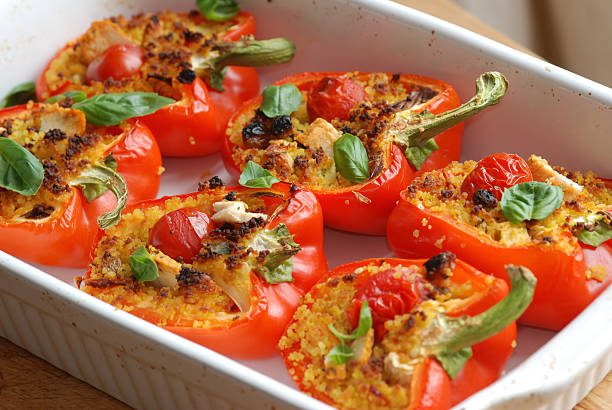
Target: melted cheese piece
320, 134
541, 171
233, 212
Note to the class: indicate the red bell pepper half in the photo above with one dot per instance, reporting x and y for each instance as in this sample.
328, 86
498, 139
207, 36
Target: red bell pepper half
226, 285
209, 75
57, 226
418, 343
391, 127
569, 277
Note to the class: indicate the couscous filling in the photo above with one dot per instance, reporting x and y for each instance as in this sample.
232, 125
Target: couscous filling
217, 286
65, 146
298, 148
440, 192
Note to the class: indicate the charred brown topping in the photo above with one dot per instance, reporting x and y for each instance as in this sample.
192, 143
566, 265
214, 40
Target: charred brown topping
253, 135
446, 194
186, 76
6, 127
301, 162
192, 35
573, 204
333, 282
440, 266
231, 196
39, 211
408, 323
281, 125
55, 135
233, 233
192, 277
103, 283
212, 183
261, 130
53, 180
233, 261
484, 199
349, 278
396, 77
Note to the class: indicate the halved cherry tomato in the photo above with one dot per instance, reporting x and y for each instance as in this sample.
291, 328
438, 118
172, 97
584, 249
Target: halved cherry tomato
179, 233
117, 61
388, 296
333, 97
495, 173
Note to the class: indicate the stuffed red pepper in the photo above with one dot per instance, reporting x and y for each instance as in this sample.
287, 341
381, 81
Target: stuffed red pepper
355, 139
197, 61
224, 267
503, 210
56, 169
399, 333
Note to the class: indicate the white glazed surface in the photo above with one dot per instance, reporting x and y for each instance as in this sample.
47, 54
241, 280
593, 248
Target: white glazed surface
547, 111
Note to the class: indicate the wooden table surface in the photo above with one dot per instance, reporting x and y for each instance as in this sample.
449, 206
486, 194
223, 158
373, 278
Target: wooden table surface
27, 382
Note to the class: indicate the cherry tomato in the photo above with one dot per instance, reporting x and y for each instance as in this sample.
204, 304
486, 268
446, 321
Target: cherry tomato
333, 98
388, 295
117, 61
179, 233
495, 173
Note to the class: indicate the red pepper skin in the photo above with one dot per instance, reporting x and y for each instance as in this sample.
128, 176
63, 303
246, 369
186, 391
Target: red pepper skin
431, 386
194, 125
67, 240
256, 335
563, 290
348, 209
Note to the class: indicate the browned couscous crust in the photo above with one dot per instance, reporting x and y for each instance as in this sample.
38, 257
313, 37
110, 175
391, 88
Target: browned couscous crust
64, 144
171, 43
283, 151
197, 301
368, 383
440, 192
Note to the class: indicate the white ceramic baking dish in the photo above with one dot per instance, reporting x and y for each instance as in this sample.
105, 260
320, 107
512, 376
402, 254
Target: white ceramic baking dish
547, 110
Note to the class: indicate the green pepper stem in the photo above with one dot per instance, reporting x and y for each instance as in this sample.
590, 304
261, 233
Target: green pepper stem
417, 128
461, 332
253, 53
96, 180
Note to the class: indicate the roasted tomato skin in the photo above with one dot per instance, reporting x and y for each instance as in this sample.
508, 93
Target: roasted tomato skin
333, 97
117, 61
495, 173
387, 296
179, 233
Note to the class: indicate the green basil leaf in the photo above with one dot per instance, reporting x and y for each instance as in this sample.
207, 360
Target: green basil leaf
20, 170
75, 96
20, 94
365, 324
113, 109
96, 180
340, 354
351, 158
280, 100
416, 155
254, 176
530, 200
596, 230
280, 247
216, 79
283, 272
143, 266
453, 362
218, 10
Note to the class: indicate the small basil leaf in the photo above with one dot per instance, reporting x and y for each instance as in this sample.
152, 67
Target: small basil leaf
254, 176
416, 155
283, 272
453, 362
75, 96
216, 79
530, 200
340, 354
280, 100
351, 158
596, 230
112, 109
365, 324
20, 170
143, 266
218, 10
20, 94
